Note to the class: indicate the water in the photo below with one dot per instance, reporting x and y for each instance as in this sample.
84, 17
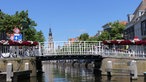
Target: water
67, 73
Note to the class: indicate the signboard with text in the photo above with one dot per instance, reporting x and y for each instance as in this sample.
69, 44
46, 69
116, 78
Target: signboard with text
17, 37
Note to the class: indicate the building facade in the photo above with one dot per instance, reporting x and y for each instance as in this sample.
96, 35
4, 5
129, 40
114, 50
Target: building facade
136, 25
107, 27
98, 33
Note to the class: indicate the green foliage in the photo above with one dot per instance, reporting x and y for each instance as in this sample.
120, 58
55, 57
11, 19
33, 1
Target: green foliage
117, 30
9, 22
115, 33
21, 21
104, 36
84, 37
40, 37
32, 34
92, 38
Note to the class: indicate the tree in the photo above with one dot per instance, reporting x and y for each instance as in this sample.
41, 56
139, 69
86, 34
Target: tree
104, 36
117, 30
9, 22
84, 37
40, 37
32, 34
23, 22
94, 38
115, 33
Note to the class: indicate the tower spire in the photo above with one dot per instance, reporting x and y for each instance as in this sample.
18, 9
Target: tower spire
50, 36
50, 41
50, 32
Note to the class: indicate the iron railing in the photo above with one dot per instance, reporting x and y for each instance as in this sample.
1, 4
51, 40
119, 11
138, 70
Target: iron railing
71, 48
74, 48
91, 48
18, 51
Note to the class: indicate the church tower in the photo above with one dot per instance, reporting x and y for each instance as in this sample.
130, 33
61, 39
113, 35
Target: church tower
50, 36
50, 41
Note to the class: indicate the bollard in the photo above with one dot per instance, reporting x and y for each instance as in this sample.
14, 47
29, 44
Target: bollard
133, 68
144, 76
26, 66
9, 71
109, 65
109, 69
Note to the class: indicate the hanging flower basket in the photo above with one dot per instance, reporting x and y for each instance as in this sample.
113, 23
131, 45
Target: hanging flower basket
18, 43
124, 42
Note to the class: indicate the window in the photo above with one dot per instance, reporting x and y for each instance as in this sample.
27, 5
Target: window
143, 28
130, 33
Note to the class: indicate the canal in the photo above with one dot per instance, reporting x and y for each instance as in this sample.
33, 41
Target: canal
62, 72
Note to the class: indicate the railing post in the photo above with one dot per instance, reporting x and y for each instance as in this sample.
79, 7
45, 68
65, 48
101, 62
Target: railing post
53, 46
40, 53
84, 47
99, 48
92, 49
69, 48
102, 49
17, 51
79, 48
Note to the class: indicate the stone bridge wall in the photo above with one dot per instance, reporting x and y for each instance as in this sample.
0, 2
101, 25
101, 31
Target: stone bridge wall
19, 64
124, 64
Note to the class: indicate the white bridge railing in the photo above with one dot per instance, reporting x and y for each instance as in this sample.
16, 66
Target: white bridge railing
91, 48
74, 48
71, 48
18, 51
18, 48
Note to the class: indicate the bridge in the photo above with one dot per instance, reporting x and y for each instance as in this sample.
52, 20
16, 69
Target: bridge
89, 50
31, 54
93, 51
60, 50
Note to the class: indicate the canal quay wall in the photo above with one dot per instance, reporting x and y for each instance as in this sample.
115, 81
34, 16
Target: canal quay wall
19, 64
121, 66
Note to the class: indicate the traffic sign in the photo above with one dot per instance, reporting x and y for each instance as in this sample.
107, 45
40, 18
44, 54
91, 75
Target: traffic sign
17, 37
16, 30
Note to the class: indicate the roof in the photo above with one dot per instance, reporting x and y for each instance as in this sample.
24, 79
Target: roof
142, 6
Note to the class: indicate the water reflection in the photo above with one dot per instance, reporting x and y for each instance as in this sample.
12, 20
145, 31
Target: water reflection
67, 73
63, 72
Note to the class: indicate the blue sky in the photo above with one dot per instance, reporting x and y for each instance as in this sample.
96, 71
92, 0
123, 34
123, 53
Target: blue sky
70, 18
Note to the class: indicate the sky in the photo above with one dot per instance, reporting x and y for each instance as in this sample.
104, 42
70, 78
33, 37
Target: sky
70, 18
